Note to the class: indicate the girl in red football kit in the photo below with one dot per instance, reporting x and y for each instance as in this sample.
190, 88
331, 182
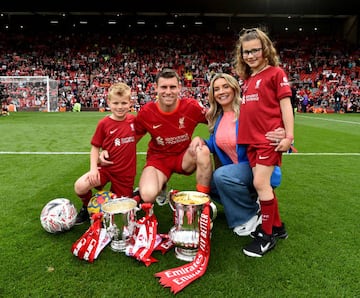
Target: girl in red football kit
266, 105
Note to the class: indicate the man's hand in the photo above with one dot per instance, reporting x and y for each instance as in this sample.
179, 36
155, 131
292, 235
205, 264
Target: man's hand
104, 158
195, 144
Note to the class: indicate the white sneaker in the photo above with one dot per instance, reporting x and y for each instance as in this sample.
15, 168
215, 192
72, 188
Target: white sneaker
248, 227
163, 198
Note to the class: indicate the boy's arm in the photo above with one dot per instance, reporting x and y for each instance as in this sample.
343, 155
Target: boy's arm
94, 157
94, 175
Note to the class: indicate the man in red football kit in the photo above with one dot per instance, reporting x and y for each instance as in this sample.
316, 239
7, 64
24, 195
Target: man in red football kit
114, 133
171, 122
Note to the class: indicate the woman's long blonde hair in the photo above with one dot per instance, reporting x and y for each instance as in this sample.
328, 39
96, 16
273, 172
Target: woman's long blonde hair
215, 108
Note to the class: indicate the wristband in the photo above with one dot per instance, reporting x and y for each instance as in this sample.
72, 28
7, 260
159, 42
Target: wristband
291, 138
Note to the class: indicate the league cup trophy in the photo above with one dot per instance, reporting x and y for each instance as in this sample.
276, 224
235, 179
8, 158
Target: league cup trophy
120, 220
187, 207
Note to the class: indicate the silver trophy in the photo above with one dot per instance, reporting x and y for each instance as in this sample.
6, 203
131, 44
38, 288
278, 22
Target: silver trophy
120, 220
187, 207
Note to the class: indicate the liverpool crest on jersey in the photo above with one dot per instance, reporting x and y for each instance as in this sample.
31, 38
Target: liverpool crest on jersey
181, 122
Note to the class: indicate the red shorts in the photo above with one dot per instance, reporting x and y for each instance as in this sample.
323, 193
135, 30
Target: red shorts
121, 185
263, 154
167, 164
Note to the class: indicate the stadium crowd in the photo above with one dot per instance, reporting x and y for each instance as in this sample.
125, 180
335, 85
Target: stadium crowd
324, 72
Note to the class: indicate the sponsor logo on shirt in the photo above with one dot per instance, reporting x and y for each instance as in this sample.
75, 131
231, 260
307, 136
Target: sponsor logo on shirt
119, 141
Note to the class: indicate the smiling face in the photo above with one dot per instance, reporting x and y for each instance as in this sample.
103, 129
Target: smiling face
119, 106
168, 90
224, 94
252, 53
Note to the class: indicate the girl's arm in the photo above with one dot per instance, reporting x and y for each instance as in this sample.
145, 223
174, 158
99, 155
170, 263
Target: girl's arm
288, 120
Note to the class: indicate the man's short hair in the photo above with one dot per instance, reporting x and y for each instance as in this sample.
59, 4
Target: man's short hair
167, 73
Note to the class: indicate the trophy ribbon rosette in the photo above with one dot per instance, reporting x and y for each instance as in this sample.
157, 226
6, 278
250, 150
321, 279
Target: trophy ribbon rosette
93, 241
145, 238
180, 277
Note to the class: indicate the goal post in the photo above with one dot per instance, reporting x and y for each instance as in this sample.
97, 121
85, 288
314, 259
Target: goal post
30, 93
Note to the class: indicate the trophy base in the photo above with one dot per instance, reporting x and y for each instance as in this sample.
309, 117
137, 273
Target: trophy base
118, 245
184, 254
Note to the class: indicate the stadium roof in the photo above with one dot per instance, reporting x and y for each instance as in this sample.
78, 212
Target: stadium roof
223, 13
227, 7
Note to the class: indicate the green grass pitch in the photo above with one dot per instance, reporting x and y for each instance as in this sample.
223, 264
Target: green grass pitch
42, 154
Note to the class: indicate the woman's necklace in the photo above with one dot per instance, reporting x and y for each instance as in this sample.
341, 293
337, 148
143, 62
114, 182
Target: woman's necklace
260, 70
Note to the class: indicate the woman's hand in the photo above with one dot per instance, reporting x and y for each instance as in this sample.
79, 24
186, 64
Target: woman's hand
277, 137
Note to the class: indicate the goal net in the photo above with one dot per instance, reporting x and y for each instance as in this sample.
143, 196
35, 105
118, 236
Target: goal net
36, 93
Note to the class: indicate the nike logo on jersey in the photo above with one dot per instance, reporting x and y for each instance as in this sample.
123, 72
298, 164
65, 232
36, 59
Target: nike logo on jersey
263, 157
112, 131
156, 126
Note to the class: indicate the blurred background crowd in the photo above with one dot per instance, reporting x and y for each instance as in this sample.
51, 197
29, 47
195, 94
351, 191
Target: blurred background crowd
324, 71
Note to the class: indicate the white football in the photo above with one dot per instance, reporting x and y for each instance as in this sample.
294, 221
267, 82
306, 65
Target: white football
58, 215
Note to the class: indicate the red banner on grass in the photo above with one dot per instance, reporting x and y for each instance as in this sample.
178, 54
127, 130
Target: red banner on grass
178, 278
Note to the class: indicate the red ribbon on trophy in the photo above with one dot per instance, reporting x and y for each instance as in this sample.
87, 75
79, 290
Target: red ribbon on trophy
93, 241
180, 277
145, 238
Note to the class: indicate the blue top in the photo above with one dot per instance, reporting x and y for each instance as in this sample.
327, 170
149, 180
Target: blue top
241, 153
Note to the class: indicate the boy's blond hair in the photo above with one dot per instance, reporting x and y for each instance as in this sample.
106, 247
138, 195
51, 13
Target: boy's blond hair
120, 89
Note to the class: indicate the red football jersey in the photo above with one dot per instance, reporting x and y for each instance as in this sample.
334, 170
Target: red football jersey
260, 108
118, 138
170, 132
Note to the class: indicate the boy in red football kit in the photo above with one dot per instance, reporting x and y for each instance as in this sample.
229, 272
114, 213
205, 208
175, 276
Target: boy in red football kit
266, 105
171, 122
114, 133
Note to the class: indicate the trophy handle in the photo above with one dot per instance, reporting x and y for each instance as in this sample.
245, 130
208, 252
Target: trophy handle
171, 201
214, 211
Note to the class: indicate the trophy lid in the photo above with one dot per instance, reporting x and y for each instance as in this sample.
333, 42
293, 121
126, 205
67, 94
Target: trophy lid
190, 198
119, 205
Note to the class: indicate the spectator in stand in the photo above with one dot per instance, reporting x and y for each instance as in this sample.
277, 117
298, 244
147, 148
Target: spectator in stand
294, 101
304, 103
337, 98
4, 108
265, 105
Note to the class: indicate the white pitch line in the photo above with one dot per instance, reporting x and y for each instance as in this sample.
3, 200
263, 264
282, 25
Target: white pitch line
325, 153
330, 120
50, 153
143, 153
